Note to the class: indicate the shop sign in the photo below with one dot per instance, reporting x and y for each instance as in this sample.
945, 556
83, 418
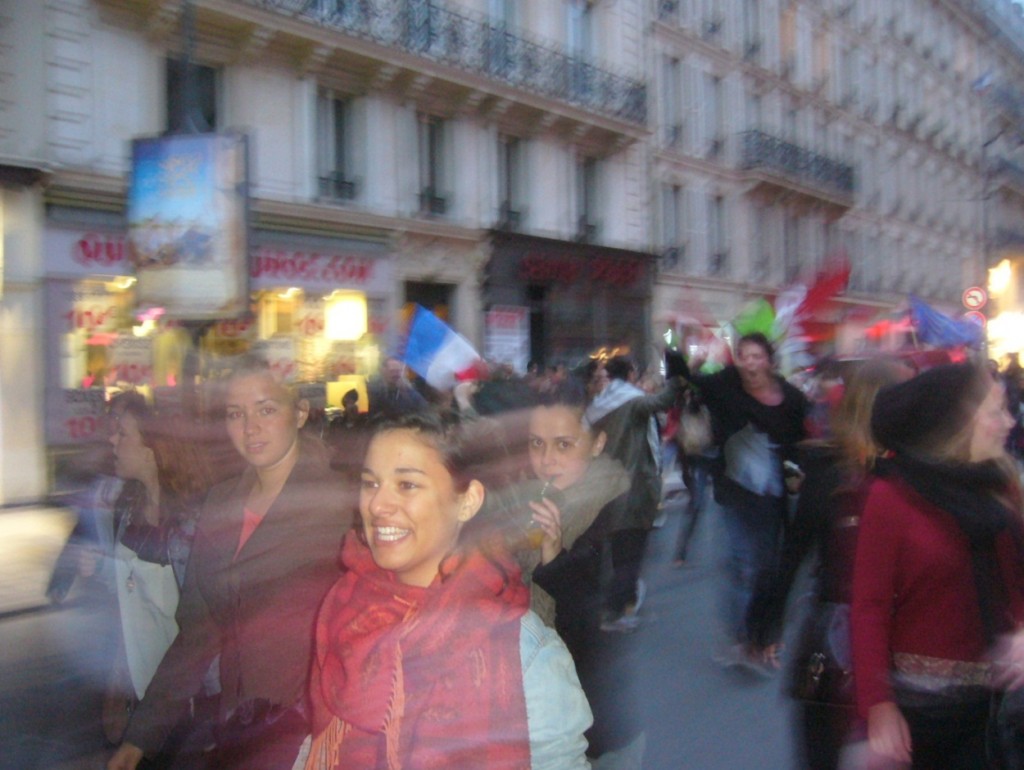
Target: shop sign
131, 359
611, 271
272, 267
82, 416
80, 253
507, 336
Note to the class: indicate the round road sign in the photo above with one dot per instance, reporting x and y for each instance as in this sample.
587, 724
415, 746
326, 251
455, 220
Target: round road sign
975, 298
978, 318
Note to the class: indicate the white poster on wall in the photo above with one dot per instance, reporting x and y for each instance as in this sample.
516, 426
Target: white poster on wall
508, 336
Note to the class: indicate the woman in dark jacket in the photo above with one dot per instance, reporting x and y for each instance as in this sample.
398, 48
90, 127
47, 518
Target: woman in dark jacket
825, 525
757, 419
264, 555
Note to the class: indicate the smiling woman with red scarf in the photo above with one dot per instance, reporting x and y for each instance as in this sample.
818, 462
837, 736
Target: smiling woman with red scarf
427, 655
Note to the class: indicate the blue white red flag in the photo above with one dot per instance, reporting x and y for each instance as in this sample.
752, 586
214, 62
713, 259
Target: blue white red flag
436, 353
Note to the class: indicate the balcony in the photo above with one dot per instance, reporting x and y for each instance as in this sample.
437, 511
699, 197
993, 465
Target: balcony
437, 54
336, 186
775, 163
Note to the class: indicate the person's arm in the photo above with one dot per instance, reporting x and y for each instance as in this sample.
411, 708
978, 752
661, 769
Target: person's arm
557, 712
874, 589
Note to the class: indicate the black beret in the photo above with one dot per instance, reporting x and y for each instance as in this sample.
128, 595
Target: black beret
921, 414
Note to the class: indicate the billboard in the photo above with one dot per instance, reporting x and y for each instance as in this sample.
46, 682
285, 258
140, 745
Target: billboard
188, 224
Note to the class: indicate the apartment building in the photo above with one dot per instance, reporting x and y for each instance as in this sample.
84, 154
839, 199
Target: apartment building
484, 159
787, 131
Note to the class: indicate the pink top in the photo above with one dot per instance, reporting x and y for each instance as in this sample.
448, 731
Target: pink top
249, 523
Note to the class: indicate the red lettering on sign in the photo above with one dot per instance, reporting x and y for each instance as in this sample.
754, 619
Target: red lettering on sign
502, 320
614, 272
81, 427
94, 249
298, 266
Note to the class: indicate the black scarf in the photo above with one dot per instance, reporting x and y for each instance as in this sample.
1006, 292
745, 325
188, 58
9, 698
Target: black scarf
969, 493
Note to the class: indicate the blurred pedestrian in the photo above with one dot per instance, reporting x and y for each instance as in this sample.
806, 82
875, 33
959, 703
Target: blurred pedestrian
836, 473
154, 520
758, 419
347, 435
583, 492
697, 456
390, 393
427, 655
938, 576
626, 414
264, 554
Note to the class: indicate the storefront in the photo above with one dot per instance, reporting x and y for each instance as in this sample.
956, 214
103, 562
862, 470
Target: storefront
320, 308
577, 298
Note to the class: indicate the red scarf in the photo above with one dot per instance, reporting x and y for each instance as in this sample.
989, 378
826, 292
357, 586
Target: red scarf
412, 678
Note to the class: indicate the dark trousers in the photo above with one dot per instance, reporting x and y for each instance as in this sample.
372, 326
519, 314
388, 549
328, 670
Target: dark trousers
627, 550
696, 476
950, 736
824, 729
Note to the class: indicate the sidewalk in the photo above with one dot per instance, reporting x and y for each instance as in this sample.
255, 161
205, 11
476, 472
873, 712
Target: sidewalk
31, 539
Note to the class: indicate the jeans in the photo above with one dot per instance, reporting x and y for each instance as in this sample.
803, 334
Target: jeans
696, 475
754, 525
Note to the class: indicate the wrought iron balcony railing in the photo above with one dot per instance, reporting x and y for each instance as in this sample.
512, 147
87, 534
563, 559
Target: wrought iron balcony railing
764, 151
479, 45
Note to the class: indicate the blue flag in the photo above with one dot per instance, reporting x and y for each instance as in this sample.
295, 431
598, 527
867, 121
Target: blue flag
935, 328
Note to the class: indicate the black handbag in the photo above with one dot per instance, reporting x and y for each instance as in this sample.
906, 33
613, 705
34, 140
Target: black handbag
823, 667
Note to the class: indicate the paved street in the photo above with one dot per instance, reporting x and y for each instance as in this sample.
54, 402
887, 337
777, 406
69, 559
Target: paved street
698, 716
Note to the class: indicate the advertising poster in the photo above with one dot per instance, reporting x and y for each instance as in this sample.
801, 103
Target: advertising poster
187, 225
508, 336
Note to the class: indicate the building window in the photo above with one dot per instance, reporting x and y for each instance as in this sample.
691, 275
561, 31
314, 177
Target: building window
791, 248
673, 115
673, 241
202, 114
714, 116
580, 39
510, 182
752, 30
718, 256
334, 138
586, 199
432, 165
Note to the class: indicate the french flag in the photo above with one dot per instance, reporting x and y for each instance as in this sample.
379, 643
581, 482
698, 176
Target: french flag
437, 353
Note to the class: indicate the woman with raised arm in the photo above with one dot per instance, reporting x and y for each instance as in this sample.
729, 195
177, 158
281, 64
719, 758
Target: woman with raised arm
264, 554
427, 655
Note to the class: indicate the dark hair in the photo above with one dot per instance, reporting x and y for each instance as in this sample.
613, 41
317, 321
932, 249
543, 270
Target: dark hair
442, 432
350, 396
182, 469
571, 392
757, 338
620, 367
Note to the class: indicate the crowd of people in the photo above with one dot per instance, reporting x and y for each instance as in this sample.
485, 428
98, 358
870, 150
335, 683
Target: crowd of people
451, 579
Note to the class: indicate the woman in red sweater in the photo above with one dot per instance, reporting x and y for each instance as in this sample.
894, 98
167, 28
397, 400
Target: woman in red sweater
937, 579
